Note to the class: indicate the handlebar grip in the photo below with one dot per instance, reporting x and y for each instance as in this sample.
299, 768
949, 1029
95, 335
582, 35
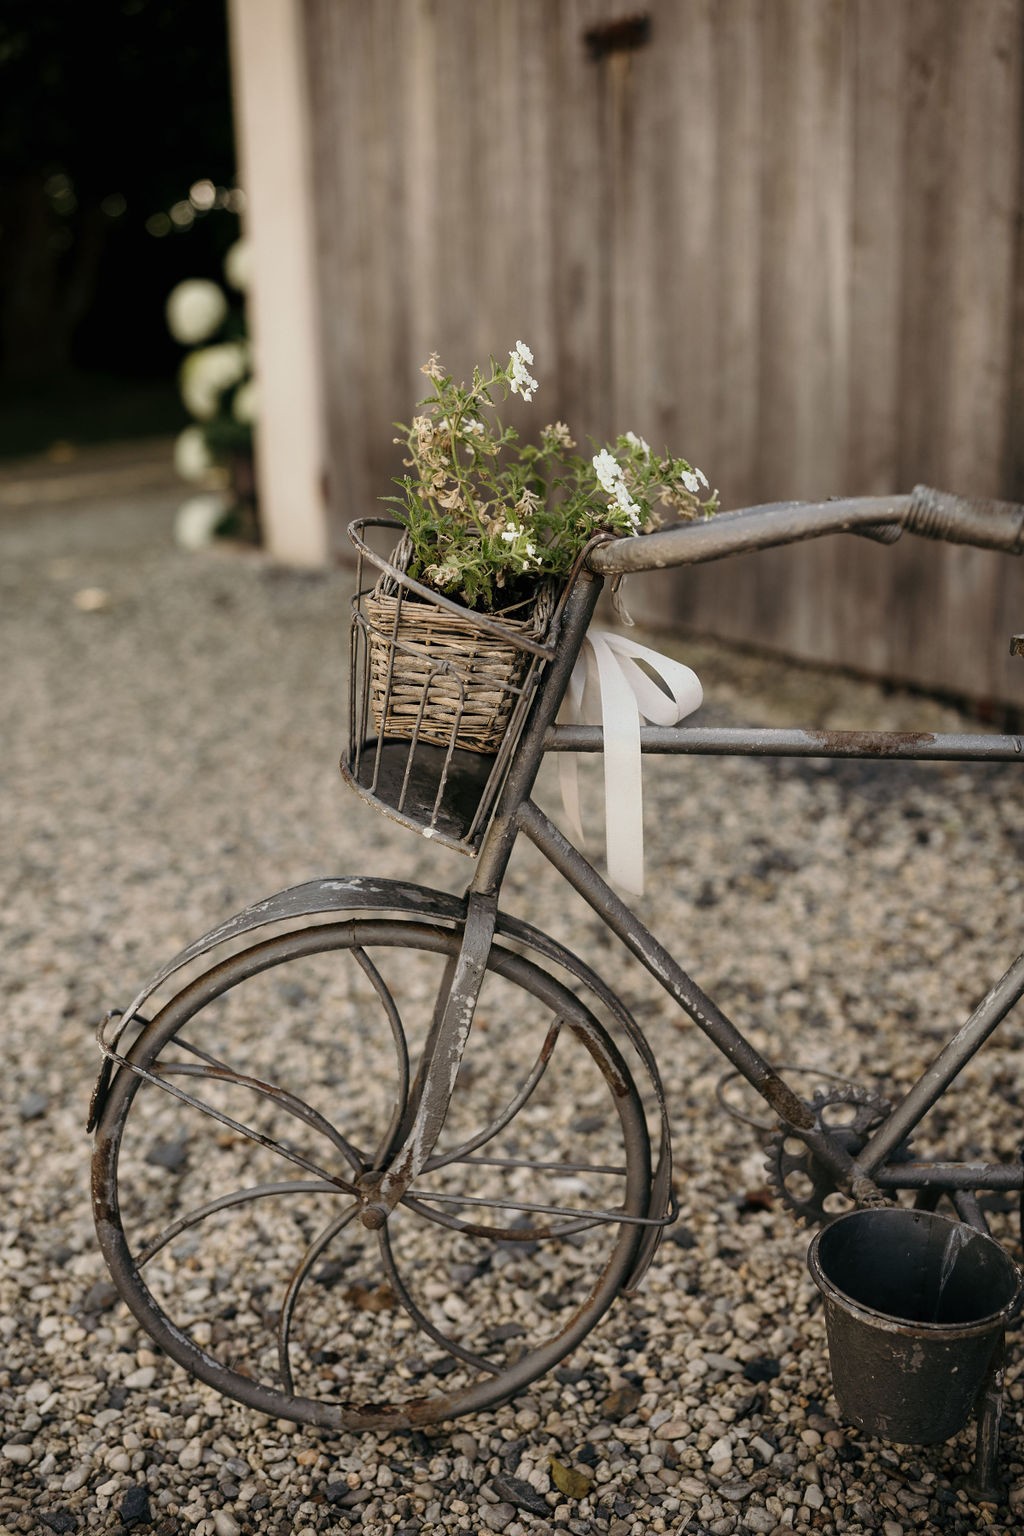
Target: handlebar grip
988, 524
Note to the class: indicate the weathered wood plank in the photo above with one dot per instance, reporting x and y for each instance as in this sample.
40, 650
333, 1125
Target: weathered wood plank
876, 235
729, 374
982, 185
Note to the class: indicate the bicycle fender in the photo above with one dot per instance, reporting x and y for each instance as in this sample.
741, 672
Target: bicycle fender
347, 893
355, 893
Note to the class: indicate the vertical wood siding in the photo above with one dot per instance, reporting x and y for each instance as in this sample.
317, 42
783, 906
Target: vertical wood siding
782, 238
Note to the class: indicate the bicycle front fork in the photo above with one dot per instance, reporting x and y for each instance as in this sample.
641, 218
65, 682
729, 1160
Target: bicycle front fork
381, 1189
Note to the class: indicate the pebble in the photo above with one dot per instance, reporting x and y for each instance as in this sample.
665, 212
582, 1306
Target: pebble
515, 1490
135, 1506
720, 1453
717, 1362
675, 1429
141, 1379
497, 1516
706, 1398
759, 1520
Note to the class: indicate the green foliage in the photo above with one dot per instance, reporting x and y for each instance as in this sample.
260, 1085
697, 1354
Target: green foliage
488, 516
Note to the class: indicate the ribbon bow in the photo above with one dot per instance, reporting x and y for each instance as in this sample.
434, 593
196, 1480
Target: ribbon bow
610, 688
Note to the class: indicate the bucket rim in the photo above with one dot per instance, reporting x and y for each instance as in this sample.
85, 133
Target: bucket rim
904, 1326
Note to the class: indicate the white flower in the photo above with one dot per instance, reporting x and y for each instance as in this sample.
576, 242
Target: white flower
192, 457
198, 518
626, 501
245, 403
609, 473
557, 435
195, 309
608, 470
693, 479
206, 374
238, 265
528, 505
638, 442
473, 428
520, 382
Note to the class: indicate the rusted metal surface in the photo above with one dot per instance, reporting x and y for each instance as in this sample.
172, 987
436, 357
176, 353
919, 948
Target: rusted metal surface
916, 1308
629, 1225
704, 1012
471, 939
931, 514
315, 898
948, 1064
760, 741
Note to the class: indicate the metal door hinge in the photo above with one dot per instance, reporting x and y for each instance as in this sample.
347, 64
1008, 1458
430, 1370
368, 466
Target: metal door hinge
618, 36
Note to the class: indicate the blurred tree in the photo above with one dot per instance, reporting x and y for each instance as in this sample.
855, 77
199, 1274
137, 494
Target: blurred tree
109, 113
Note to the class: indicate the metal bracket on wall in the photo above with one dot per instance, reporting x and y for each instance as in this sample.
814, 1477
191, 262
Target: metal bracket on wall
1017, 645
618, 36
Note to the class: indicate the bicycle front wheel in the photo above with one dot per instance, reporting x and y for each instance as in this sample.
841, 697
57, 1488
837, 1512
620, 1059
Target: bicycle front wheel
230, 1146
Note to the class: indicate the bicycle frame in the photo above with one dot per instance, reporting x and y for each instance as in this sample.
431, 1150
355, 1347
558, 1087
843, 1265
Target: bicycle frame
466, 938
864, 1177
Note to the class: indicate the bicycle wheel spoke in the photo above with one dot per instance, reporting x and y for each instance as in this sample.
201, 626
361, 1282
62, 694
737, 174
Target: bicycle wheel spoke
617, 1169
309, 1258
157, 1079
492, 1233
615, 1216
422, 1321
281, 1097
394, 1019
508, 1114
576, 1220
228, 1202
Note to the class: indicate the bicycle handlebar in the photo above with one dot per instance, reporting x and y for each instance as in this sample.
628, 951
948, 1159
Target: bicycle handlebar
997, 525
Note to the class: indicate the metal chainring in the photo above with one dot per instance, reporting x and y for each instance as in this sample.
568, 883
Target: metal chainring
803, 1183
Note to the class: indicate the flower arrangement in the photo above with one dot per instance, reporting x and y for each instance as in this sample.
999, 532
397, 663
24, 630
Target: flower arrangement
217, 387
489, 517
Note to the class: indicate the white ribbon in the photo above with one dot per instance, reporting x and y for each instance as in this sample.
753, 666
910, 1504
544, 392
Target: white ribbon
610, 688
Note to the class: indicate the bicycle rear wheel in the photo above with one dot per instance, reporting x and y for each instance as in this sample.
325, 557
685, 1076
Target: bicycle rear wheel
229, 1149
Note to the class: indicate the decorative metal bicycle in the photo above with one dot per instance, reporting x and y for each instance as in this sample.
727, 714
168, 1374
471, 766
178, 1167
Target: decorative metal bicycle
380, 1071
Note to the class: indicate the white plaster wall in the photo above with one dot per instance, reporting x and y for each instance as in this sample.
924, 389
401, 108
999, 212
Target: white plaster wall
275, 167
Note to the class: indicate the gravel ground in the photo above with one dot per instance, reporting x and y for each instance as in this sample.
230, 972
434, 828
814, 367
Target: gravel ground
169, 751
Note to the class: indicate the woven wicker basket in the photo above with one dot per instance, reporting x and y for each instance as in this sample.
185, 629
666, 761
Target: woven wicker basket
438, 676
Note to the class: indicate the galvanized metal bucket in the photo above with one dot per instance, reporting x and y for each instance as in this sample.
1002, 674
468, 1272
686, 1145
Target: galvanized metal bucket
915, 1310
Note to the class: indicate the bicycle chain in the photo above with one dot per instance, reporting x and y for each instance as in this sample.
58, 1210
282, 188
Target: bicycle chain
804, 1183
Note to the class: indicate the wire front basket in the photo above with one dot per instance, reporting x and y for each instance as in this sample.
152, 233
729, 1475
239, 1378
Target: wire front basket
439, 696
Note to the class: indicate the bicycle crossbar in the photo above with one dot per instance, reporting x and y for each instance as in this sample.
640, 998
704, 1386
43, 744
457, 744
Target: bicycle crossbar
710, 741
